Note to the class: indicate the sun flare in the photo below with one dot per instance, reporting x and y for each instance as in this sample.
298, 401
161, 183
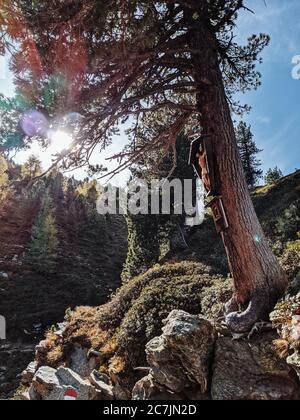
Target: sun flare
61, 140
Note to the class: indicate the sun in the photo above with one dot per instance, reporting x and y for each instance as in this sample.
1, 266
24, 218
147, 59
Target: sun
61, 140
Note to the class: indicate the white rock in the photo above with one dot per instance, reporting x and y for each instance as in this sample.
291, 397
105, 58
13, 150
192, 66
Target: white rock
45, 383
106, 389
50, 385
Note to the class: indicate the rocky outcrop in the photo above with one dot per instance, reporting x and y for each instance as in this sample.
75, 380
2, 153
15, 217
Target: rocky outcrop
251, 370
179, 359
286, 318
50, 384
188, 361
193, 359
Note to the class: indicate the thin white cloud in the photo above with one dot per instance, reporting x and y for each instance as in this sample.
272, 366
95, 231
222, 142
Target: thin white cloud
262, 119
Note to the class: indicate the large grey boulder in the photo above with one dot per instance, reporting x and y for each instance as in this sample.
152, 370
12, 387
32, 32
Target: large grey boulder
183, 353
252, 370
45, 383
180, 359
52, 384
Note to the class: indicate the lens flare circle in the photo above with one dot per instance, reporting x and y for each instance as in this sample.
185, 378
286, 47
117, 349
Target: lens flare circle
34, 123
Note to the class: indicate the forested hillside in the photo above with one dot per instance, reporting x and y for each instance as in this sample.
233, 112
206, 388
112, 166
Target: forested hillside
56, 252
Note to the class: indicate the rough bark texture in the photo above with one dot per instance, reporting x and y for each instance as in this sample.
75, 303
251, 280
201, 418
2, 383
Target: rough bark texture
258, 278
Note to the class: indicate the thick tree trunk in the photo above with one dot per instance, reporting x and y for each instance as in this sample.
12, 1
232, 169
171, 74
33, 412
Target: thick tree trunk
258, 278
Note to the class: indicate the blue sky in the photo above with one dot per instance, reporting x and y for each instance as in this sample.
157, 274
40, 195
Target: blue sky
275, 115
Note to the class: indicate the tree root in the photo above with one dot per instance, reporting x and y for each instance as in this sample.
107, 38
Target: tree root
257, 310
231, 306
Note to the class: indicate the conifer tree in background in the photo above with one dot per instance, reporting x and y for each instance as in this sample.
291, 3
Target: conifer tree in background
149, 236
69, 191
248, 152
72, 213
11, 135
43, 251
92, 195
55, 183
173, 227
273, 175
31, 169
4, 181
143, 244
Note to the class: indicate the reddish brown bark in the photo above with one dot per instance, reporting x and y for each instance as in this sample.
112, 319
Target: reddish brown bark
258, 278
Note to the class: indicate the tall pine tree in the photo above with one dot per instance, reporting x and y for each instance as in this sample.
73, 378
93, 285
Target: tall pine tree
42, 255
248, 152
273, 175
4, 180
31, 169
170, 66
148, 235
143, 244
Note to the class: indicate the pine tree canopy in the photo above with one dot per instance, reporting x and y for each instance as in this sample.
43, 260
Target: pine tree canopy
125, 61
31, 169
248, 152
4, 181
42, 255
273, 175
11, 136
